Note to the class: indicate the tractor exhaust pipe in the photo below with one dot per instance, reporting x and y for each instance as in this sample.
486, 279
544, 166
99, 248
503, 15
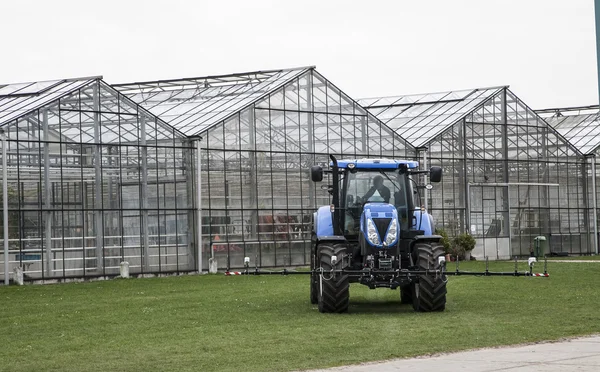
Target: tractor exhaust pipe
335, 197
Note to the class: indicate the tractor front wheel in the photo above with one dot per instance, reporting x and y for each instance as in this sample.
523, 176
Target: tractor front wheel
333, 287
429, 293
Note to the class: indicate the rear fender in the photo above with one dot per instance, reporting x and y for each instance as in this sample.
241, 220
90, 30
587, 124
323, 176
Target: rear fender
323, 222
323, 229
423, 221
333, 239
428, 238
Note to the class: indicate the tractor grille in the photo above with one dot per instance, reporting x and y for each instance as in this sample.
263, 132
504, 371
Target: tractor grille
382, 225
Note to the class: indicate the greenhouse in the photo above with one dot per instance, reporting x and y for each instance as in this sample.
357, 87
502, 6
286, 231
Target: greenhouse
98, 174
167, 174
509, 176
93, 179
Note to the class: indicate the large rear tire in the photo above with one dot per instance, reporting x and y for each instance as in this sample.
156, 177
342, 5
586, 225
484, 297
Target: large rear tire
333, 288
429, 294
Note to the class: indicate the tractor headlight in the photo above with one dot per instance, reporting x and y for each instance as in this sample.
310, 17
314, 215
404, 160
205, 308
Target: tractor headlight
392, 233
372, 233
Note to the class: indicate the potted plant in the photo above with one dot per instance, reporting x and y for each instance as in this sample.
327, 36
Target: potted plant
462, 245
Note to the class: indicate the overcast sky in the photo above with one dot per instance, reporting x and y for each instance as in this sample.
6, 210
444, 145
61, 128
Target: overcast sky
544, 49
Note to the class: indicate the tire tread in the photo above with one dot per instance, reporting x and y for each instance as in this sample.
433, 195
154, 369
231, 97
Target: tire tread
432, 290
336, 291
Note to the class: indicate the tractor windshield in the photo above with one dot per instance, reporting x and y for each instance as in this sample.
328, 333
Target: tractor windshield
376, 186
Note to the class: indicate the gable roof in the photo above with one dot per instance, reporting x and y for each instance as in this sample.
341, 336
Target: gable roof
421, 117
193, 105
579, 125
116, 110
19, 99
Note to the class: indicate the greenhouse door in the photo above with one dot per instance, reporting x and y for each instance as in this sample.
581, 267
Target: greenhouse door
489, 221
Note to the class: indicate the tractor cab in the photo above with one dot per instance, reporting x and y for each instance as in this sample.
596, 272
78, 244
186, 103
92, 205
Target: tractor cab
376, 187
373, 182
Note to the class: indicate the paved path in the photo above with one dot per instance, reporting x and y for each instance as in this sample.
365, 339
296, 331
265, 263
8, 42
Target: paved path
581, 354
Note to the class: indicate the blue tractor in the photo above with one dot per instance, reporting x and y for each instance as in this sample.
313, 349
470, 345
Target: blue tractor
374, 233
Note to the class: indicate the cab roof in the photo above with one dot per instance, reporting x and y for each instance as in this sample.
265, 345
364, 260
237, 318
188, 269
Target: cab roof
377, 163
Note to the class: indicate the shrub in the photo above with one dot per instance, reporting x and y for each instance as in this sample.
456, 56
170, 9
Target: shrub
461, 244
445, 241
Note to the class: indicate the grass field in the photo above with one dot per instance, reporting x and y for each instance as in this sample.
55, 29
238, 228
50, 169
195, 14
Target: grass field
579, 258
206, 323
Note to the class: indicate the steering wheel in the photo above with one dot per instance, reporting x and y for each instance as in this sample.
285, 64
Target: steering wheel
356, 208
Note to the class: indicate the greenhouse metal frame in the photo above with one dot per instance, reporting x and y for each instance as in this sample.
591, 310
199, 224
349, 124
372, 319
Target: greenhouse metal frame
258, 137
509, 176
115, 176
93, 180
167, 174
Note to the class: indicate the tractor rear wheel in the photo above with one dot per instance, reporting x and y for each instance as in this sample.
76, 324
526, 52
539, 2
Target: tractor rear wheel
429, 293
333, 288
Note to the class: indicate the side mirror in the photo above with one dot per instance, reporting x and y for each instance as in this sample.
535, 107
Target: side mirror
435, 174
316, 173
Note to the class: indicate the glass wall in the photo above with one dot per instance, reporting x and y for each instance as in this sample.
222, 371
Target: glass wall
509, 177
581, 127
95, 180
257, 197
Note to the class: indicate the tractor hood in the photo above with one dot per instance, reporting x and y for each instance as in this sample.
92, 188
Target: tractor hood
379, 224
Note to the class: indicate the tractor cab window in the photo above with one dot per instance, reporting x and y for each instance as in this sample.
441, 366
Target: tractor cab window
374, 187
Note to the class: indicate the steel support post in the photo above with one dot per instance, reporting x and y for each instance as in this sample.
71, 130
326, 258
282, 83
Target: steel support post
199, 203
595, 202
47, 197
190, 180
5, 206
144, 196
423, 150
98, 182
505, 173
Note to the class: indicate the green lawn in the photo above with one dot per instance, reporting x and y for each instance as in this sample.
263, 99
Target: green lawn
206, 323
581, 258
